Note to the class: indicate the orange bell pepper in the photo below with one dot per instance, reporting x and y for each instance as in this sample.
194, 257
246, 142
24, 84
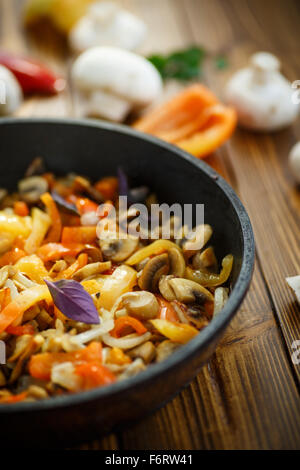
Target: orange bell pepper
107, 187
26, 299
83, 204
84, 235
5, 298
13, 398
11, 257
94, 375
20, 330
194, 120
21, 208
40, 365
78, 264
55, 251
166, 311
123, 323
117, 356
56, 227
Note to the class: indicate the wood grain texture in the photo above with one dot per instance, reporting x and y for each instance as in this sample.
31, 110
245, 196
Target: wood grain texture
247, 396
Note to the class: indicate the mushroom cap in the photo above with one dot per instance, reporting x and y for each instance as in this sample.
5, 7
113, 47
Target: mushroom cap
107, 24
118, 72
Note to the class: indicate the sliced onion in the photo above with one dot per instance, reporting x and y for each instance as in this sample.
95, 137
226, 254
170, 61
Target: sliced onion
93, 333
221, 297
127, 342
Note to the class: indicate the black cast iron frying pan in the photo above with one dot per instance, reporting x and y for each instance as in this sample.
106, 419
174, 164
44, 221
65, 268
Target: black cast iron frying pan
96, 149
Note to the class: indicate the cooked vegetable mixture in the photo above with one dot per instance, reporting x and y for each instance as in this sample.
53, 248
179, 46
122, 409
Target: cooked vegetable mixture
81, 309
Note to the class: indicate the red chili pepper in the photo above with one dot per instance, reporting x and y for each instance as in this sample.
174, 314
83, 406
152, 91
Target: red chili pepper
32, 76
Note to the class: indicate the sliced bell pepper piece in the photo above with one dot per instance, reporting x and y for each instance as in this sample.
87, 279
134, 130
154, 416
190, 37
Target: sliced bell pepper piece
21, 208
108, 187
123, 323
33, 267
94, 375
54, 233
166, 311
117, 356
194, 120
55, 251
20, 330
84, 235
177, 332
155, 248
207, 279
26, 299
78, 264
13, 398
40, 365
11, 256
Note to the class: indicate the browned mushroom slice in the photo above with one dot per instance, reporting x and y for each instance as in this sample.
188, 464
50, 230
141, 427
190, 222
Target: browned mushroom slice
177, 263
145, 351
115, 248
205, 260
197, 240
141, 304
31, 188
184, 290
154, 269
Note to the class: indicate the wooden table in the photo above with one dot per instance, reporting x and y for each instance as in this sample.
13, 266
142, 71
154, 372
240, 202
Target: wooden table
247, 397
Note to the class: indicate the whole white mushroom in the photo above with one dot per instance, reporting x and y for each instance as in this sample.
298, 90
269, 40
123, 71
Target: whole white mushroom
10, 92
107, 24
294, 161
115, 81
261, 95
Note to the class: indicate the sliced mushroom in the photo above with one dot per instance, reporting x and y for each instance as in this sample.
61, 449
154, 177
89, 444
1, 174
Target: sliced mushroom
145, 351
94, 253
84, 184
205, 259
32, 188
184, 290
141, 304
165, 349
115, 248
197, 239
91, 269
165, 288
177, 263
133, 369
154, 269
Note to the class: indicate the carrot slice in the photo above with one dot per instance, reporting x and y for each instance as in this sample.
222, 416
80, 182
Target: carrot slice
11, 257
78, 264
55, 251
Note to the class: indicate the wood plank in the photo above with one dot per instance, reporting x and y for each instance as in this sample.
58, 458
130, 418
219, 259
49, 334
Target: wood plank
260, 162
245, 398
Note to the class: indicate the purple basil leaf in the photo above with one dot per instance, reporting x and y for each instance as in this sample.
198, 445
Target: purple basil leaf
73, 301
123, 183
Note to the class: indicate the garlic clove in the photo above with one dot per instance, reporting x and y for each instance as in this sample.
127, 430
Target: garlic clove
294, 283
294, 161
10, 92
261, 95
